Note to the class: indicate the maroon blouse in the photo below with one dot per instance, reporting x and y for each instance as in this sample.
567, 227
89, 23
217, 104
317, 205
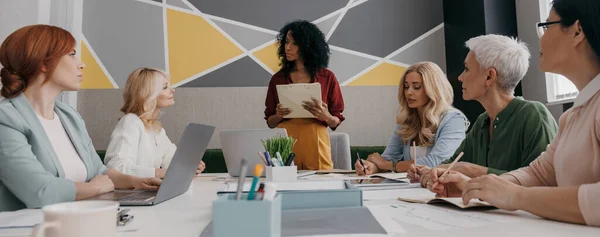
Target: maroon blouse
330, 92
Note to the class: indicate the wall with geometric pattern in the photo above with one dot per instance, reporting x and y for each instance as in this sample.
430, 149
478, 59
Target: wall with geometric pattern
231, 43
221, 54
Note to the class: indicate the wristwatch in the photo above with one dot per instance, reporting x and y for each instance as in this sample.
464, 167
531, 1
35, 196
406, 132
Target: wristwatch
394, 162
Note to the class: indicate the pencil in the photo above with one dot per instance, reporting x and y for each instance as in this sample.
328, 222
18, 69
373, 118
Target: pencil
453, 162
414, 154
262, 157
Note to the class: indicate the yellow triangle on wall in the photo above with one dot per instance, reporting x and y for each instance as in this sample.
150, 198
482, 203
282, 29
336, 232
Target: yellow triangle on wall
385, 74
268, 56
93, 76
195, 45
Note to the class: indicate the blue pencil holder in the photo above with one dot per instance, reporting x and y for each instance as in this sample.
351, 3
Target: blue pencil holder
246, 217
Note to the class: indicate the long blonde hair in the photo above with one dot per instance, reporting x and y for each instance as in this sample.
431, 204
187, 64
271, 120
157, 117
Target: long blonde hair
440, 94
141, 90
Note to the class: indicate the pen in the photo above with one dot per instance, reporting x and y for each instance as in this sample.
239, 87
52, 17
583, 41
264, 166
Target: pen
264, 159
240, 187
361, 163
268, 157
278, 155
258, 170
290, 159
260, 193
414, 148
275, 162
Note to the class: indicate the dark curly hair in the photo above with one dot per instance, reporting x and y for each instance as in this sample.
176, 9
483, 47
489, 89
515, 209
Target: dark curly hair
312, 47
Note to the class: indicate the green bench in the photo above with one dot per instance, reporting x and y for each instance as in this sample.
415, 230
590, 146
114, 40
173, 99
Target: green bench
215, 163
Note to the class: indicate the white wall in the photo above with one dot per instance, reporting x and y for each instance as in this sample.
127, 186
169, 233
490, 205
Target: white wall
367, 123
15, 14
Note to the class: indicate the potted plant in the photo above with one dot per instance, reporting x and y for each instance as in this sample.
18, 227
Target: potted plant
283, 145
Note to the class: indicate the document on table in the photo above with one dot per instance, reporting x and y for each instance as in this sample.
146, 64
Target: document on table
424, 196
395, 176
25, 218
292, 96
336, 171
332, 176
436, 217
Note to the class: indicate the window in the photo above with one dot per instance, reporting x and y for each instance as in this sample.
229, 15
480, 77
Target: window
558, 87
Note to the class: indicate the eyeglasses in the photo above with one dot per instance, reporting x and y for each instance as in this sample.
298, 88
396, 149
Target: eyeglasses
541, 27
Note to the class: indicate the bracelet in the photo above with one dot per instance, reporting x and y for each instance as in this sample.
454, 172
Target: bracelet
394, 162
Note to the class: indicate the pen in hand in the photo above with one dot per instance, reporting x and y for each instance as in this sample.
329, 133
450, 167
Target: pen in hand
361, 163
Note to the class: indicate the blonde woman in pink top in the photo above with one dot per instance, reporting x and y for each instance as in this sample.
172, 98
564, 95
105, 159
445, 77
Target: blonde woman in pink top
563, 183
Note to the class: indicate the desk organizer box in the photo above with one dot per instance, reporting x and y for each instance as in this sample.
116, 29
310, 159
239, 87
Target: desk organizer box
241, 217
349, 196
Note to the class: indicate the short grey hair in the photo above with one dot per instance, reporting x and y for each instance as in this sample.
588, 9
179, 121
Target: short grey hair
509, 56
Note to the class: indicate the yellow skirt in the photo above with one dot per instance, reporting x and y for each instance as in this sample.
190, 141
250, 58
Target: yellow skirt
313, 146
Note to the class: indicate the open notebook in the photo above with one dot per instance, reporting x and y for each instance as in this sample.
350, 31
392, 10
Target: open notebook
425, 197
393, 176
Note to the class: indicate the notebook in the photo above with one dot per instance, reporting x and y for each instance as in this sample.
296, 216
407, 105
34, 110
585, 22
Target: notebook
454, 201
393, 176
336, 171
424, 196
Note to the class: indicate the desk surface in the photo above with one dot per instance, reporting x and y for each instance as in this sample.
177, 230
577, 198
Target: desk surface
189, 213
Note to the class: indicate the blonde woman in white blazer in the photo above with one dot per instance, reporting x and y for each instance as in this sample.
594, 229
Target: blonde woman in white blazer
139, 145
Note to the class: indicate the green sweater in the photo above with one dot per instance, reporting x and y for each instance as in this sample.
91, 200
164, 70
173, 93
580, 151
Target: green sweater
521, 133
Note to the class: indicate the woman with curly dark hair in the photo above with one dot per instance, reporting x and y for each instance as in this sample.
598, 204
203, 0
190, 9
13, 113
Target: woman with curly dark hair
304, 56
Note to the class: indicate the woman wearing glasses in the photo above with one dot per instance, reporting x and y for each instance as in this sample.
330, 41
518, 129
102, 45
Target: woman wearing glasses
139, 145
563, 183
512, 132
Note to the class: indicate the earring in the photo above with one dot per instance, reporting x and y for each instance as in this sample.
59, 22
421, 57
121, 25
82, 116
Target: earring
487, 88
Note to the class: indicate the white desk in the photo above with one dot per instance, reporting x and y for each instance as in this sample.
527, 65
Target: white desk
189, 213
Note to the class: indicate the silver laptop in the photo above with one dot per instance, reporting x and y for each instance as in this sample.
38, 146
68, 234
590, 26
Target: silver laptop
240, 143
177, 180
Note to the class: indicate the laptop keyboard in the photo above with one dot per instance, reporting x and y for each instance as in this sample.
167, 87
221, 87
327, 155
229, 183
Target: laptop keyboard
140, 197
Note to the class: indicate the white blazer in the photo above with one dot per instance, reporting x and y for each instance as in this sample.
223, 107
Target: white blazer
135, 150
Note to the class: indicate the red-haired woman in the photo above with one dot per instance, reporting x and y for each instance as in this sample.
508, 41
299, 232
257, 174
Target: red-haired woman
46, 154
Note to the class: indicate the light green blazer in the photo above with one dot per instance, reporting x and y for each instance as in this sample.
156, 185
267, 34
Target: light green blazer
31, 175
